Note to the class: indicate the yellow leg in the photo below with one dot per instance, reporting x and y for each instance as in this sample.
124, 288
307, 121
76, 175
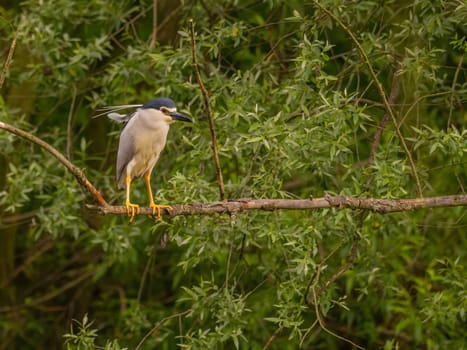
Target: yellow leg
131, 209
155, 207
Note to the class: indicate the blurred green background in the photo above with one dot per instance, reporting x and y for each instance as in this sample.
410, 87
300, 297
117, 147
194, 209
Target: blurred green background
296, 113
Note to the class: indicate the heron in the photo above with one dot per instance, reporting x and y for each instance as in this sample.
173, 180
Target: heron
142, 140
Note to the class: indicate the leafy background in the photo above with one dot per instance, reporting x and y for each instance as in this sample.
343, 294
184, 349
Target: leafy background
296, 112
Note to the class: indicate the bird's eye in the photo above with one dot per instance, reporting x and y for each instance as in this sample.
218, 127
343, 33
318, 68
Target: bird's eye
164, 110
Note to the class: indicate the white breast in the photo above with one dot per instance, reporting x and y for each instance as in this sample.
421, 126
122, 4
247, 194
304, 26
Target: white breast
151, 129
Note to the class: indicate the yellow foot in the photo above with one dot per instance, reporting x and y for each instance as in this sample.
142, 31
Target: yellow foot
157, 208
132, 210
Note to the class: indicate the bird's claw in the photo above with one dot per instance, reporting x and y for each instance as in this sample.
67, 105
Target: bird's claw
132, 210
156, 208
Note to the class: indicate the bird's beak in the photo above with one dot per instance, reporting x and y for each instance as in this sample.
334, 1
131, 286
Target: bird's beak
181, 117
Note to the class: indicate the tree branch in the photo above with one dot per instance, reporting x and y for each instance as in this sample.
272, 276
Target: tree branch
381, 206
381, 92
77, 172
373, 204
208, 111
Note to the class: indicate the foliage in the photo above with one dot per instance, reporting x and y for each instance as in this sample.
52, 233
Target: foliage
296, 113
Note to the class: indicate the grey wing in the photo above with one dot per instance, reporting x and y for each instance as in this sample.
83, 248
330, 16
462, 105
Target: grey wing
125, 154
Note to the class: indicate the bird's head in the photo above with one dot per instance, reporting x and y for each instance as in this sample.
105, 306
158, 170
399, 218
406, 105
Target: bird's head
167, 107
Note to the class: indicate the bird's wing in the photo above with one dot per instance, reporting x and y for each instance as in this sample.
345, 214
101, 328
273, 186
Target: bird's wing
125, 153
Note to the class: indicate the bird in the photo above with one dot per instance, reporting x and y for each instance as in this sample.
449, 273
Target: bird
141, 142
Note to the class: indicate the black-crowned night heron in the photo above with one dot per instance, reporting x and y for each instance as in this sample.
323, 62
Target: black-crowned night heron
141, 142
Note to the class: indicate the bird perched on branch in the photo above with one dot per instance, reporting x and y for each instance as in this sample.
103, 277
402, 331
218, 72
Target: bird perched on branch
141, 142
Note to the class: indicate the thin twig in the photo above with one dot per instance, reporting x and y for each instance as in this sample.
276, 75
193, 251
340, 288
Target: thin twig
272, 337
309, 329
36, 253
381, 93
453, 89
69, 137
381, 206
160, 323
154, 24
9, 58
314, 280
379, 131
77, 172
417, 100
53, 294
227, 270
343, 269
208, 111
323, 326
144, 277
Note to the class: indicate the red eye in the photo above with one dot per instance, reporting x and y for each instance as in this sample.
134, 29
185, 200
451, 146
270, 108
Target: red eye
164, 110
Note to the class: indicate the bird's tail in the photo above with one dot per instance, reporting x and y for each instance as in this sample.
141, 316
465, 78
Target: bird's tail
120, 118
116, 116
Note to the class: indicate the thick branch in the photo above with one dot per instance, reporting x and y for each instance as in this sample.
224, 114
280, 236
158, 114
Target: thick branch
205, 93
77, 172
377, 205
373, 204
381, 92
